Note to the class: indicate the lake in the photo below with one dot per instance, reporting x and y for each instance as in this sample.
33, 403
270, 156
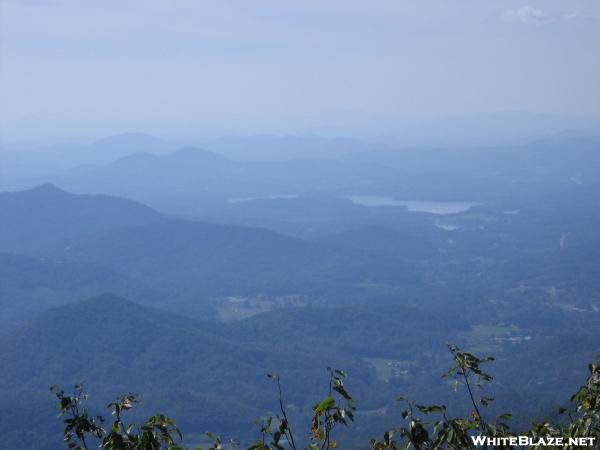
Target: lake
431, 207
265, 197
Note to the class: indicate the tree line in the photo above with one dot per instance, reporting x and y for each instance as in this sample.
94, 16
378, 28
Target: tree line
422, 427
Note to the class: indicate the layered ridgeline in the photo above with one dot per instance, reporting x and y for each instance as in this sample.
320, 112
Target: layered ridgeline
191, 180
22, 167
82, 245
45, 216
197, 181
536, 168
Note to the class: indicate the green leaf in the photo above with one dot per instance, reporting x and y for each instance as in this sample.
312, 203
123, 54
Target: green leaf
324, 405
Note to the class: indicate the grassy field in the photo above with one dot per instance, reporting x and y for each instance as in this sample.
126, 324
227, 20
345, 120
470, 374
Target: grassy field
484, 339
387, 369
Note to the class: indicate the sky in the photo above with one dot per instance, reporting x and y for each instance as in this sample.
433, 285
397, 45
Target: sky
196, 67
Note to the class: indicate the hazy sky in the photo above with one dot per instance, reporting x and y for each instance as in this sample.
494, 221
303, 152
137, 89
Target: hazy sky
77, 67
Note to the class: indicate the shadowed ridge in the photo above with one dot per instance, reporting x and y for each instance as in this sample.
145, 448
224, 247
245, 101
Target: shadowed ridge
197, 155
46, 214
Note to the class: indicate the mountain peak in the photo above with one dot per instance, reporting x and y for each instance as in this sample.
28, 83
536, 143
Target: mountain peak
47, 214
47, 187
45, 190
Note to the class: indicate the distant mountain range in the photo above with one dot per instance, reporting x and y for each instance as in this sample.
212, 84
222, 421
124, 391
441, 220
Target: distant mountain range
27, 167
484, 129
195, 180
280, 148
200, 183
63, 156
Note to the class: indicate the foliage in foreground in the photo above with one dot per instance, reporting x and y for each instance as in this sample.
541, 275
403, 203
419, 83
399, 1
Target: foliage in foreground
423, 427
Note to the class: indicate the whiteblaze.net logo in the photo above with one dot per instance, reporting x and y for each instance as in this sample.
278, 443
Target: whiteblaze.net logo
527, 441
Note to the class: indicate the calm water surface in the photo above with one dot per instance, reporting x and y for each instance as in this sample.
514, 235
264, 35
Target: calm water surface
432, 207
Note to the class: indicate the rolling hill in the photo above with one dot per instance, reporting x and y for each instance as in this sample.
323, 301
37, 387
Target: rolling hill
175, 364
29, 286
197, 259
46, 214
